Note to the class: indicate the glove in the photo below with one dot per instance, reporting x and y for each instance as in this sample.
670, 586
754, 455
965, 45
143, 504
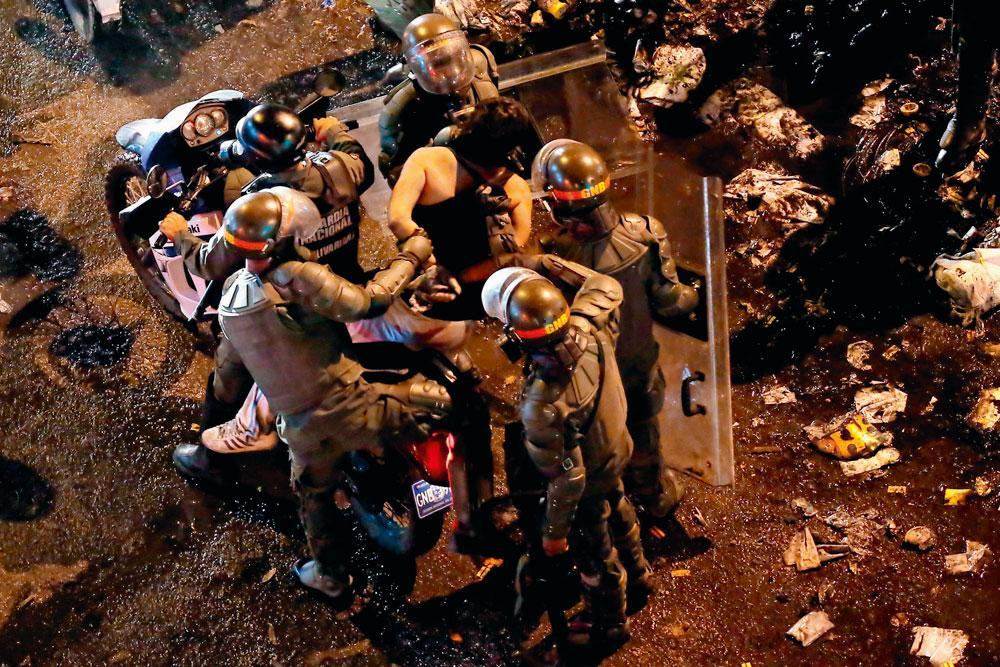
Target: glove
327, 126
571, 348
434, 285
173, 224
491, 203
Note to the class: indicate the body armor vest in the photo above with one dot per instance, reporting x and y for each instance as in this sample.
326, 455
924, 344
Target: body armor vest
295, 361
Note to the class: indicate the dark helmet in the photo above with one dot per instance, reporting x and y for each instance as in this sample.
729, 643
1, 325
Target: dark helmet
577, 180
272, 135
438, 54
533, 310
251, 224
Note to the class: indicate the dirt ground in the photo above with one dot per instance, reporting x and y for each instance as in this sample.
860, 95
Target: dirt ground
162, 573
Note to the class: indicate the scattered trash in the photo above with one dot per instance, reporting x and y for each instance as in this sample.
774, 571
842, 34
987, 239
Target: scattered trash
676, 70
488, 566
457, 638
269, 575
805, 507
972, 282
920, 538
680, 573
956, 496
887, 161
849, 436
779, 395
858, 353
982, 487
784, 202
765, 449
743, 105
929, 408
218, 28
901, 490
891, 352
880, 406
970, 561
810, 627
899, 620
922, 169
986, 413
805, 554
938, 645
272, 636
882, 458
700, 518
909, 108
861, 531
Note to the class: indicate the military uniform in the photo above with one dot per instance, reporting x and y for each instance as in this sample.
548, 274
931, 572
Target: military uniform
288, 328
637, 254
412, 117
334, 179
573, 416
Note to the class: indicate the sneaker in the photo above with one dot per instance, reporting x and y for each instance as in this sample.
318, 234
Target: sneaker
251, 430
333, 589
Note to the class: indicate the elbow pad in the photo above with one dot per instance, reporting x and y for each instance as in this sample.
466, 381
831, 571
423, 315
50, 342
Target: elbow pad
563, 495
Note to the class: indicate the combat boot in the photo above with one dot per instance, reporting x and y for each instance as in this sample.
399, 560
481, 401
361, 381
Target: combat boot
669, 498
196, 460
333, 589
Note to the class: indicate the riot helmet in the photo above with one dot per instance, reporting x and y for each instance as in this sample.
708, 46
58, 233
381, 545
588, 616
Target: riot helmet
577, 180
255, 223
533, 310
438, 54
270, 137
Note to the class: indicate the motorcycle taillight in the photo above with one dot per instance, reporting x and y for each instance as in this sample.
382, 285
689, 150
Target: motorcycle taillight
432, 454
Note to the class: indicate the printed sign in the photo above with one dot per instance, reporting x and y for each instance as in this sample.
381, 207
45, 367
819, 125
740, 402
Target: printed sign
430, 498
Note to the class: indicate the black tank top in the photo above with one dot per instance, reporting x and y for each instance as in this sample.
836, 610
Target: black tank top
457, 229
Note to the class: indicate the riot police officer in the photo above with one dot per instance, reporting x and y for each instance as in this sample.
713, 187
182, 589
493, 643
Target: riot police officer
573, 416
285, 318
271, 139
635, 251
447, 76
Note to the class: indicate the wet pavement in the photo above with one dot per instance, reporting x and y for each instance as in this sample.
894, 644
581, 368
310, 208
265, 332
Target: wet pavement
175, 574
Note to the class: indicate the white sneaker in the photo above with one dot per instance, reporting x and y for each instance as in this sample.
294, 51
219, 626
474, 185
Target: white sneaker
251, 430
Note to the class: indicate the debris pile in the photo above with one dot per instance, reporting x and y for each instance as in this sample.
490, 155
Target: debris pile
971, 281
743, 106
971, 560
940, 646
669, 74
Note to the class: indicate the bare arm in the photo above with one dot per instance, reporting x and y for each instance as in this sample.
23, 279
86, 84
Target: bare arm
520, 195
406, 194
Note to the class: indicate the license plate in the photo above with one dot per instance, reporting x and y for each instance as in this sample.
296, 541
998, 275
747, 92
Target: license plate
430, 498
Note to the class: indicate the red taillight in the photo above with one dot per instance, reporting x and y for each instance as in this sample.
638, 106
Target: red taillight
432, 454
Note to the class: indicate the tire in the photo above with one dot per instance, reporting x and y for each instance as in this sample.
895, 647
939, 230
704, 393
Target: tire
396, 529
124, 184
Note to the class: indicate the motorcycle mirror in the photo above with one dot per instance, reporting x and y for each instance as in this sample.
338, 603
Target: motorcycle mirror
329, 82
156, 181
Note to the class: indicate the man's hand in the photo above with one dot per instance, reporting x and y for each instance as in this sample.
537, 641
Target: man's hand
326, 126
434, 285
555, 547
173, 224
494, 202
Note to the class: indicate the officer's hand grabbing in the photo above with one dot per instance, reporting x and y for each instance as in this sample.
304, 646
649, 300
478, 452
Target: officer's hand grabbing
326, 126
493, 203
173, 224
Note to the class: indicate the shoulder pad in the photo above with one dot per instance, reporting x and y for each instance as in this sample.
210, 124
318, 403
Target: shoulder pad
396, 90
243, 293
485, 62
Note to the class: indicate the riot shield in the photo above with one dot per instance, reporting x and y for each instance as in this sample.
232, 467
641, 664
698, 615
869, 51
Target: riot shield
571, 93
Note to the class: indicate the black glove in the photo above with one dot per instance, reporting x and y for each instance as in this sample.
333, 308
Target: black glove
435, 285
492, 203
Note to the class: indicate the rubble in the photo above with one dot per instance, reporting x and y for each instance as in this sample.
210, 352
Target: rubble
503, 20
873, 105
920, 538
778, 395
939, 645
956, 496
971, 560
858, 353
810, 627
849, 436
986, 412
784, 202
880, 406
882, 458
805, 507
972, 282
805, 554
745, 106
674, 70
982, 487
860, 531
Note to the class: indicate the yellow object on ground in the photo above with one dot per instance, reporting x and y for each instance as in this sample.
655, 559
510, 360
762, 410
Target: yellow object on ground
956, 496
854, 438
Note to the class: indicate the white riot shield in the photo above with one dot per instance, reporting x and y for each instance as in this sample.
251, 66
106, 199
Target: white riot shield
571, 93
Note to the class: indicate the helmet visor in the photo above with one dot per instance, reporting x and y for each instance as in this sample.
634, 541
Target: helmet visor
442, 65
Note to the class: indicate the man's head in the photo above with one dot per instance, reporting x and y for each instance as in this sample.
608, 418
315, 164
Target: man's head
438, 55
533, 310
576, 181
492, 136
269, 138
256, 223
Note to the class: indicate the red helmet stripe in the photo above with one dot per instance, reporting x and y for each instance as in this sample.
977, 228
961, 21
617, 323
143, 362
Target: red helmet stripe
254, 246
586, 193
530, 334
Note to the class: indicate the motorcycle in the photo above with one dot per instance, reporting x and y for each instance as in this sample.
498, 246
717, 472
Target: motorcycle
179, 163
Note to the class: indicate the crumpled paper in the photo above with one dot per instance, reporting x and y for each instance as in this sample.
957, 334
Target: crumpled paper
972, 282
